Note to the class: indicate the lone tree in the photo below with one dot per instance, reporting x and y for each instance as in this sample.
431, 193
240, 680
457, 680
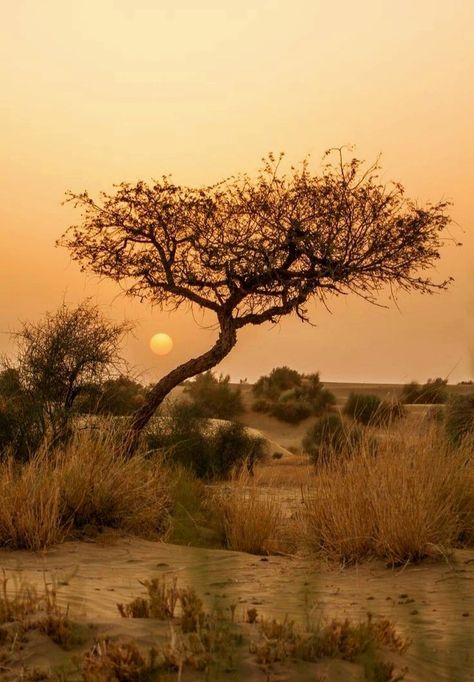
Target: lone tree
254, 250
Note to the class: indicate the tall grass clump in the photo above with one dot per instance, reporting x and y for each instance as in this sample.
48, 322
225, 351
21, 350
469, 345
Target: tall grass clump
459, 421
329, 436
371, 410
84, 483
414, 499
251, 517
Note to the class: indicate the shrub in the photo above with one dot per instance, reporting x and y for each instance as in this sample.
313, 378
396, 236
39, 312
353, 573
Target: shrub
460, 418
214, 397
290, 396
370, 409
414, 500
291, 411
262, 405
328, 436
77, 485
208, 450
433, 392
280, 379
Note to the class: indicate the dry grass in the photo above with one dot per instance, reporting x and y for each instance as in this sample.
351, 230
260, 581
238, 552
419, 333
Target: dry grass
414, 499
289, 471
251, 517
86, 483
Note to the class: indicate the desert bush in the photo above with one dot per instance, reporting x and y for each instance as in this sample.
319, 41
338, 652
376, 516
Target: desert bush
370, 409
291, 411
214, 397
208, 449
83, 483
262, 405
290, 396
433, 392
330, 436
280, 379
415, 499
460, 418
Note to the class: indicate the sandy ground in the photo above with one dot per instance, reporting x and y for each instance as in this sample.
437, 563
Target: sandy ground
433, 604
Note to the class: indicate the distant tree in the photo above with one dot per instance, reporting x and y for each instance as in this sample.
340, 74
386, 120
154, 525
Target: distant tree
254, 250
214, 396
63, 354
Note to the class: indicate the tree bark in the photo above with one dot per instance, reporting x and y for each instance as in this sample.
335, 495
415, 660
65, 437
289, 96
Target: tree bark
224, 344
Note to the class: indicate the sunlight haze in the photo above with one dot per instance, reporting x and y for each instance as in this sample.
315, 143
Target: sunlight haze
97, 93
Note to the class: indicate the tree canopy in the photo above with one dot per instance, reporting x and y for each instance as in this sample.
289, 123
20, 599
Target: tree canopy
252, 250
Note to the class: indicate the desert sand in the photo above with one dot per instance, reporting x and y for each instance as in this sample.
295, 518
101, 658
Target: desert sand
432, 604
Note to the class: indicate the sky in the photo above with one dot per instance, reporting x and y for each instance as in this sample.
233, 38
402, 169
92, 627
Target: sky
94, 93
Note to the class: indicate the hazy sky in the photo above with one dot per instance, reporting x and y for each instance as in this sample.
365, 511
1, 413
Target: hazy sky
101, 91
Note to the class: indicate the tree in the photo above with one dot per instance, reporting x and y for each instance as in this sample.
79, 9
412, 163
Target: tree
61, 355
214, 397
251, 251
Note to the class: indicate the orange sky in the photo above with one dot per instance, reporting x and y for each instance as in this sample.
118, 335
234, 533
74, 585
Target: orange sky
98, 92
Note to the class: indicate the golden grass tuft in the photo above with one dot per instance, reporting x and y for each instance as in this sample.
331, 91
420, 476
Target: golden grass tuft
86, 483
413, 499
251, 516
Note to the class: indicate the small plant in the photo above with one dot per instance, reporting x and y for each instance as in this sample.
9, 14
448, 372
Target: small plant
160, 602
281, 640
118, 661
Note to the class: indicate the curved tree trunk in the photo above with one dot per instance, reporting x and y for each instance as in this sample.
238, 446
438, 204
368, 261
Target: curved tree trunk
224, 344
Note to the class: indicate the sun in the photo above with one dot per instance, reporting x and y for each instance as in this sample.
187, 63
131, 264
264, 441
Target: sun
161, 344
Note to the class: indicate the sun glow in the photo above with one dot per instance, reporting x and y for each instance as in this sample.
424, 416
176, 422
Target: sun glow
161, 344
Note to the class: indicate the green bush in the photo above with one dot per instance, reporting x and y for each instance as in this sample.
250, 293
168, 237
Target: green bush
207, 450
362, 408
214, 396
290, 396
329, 435
291, 411
459, 422
262, 405
280, 379
370, 409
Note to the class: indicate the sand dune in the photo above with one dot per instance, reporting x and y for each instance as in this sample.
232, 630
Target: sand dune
433, 604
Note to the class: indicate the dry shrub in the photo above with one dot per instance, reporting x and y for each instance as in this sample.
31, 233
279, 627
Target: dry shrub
30, 509
413, 499
85, 483
99, 486
251, 516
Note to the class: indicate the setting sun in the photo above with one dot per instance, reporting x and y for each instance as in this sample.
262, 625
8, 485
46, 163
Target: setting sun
161, 344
